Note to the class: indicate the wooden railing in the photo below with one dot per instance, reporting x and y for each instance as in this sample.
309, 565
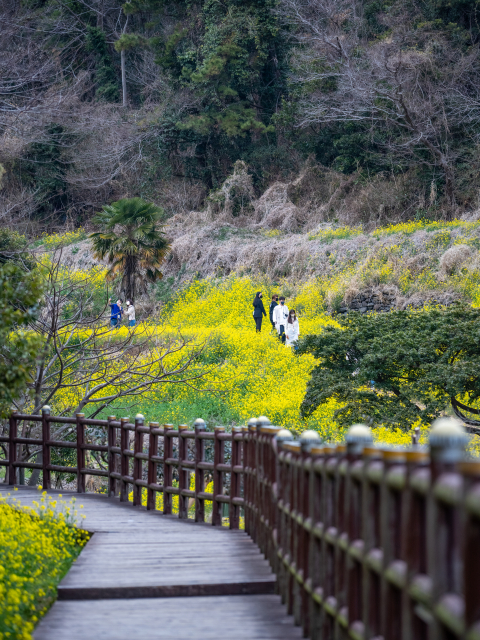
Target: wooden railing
367, 542
134, 456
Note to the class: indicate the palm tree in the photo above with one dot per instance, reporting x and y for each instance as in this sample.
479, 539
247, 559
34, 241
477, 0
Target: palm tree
133, 241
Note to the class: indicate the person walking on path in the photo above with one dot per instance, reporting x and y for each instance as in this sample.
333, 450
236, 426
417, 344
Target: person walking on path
258, 311
130, 314
280, 315
273, 304
292, 330
115, 312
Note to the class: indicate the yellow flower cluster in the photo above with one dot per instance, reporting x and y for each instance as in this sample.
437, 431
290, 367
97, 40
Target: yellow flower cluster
253, 374
37, 547
338, 233
428, 225
56, 240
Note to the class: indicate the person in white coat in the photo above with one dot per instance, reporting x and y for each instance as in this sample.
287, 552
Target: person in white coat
292, 330
280, 316
130, 314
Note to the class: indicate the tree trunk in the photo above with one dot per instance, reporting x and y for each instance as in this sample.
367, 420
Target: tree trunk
450, 190
449, 177
34, 478
124, 78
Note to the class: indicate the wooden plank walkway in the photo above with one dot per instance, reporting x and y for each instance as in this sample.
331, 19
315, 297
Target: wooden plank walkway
144, 575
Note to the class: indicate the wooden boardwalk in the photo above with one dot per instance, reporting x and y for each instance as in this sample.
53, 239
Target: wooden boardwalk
148, 576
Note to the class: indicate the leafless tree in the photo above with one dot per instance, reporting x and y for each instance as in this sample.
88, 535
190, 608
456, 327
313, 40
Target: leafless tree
415, 87
86, 365
95, 364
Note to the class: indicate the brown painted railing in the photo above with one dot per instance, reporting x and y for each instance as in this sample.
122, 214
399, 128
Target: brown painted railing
134, 459
367, 543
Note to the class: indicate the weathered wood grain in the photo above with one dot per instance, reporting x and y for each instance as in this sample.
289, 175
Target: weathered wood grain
142, 574
259, 617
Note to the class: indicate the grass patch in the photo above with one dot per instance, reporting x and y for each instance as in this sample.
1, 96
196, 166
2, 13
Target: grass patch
327, 236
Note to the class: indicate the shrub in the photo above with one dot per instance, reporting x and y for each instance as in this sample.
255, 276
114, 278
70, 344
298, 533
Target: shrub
36, 550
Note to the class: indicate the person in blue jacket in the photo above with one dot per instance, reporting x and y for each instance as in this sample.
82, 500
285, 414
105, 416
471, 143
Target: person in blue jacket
258, 311
115, 312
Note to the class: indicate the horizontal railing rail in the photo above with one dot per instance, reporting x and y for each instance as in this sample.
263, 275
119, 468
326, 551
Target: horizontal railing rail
134, 460
367, 542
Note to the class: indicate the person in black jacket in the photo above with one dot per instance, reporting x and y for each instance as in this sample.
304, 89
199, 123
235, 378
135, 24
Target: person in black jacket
273, 304
258, 311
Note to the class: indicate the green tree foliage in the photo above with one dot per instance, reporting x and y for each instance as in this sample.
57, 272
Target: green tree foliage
390, 88
106, 77
19, 296
44, 167
232, 59
396, 368
13, 248
132, 240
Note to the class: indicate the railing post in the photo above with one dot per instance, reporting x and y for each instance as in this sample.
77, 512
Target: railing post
12, 450
137, 461
46, 447
218, 458
308, 440
372, 537
471, 548
448, 442
313, 583
250, 488
124, 446
167, 469
112, 483
199, 473
393, 515
182, 473
152, 465
234, 509
80, 453
414, 538
262, 428
282, 437
358, 437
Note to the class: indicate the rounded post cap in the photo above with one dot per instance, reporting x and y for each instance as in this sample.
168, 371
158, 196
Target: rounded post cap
308, 439
359, 433
154, 424
182, 427
80, 415
125, 419
139, 416
252, 422
309, 434
111, 417
284, 434
447, 432
46, 408
263, 421
219, 428
199, 422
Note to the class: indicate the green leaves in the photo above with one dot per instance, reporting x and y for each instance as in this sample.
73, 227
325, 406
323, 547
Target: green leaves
396, 368
132, 240
19, 294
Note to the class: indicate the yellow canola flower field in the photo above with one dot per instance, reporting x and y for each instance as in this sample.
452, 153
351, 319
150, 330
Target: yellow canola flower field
37, 547
255, 374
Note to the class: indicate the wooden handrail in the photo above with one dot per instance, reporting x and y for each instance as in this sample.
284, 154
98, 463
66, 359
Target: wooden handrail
366, 542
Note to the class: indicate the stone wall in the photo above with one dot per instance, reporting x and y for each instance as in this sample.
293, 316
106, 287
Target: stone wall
380, 300
371, 300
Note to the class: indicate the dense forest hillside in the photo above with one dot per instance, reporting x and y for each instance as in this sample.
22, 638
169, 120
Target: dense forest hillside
377, 101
